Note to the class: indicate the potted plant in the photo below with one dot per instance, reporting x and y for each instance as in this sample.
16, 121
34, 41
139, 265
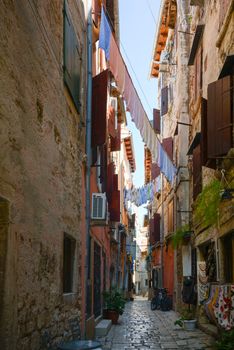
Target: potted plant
187, 320
114, 304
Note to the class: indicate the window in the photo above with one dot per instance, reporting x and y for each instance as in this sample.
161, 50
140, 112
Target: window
164, 100
72, 59
220, 117
228, 257
146, 283
68, 263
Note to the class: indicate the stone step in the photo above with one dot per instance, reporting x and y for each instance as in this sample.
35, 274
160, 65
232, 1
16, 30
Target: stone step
102, 328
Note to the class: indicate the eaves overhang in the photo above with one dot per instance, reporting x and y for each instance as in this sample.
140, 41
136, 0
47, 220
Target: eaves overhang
130, 152
166, 20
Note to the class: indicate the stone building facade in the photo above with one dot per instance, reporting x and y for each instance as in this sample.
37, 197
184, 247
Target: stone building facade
211, 63
43, 110
193, 61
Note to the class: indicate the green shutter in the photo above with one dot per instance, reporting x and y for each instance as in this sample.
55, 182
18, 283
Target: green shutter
72, 59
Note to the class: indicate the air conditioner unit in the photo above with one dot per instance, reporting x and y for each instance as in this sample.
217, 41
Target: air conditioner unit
114, 105
98, 206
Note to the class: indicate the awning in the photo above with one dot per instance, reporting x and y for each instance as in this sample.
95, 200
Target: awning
196, 42
194, 143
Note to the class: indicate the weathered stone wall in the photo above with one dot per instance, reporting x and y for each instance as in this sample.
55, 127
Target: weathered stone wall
42, 145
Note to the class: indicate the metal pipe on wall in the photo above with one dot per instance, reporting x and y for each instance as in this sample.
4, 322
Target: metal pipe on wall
88, 149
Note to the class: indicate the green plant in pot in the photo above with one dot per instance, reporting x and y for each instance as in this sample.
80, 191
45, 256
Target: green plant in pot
187, 319
114, 304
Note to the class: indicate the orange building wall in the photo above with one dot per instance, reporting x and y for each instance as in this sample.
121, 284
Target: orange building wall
100, 233
156, 257
83, 250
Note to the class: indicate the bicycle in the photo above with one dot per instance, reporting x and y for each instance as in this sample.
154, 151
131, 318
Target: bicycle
161, 300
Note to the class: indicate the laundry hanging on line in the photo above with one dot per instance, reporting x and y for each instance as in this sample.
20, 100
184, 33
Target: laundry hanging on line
133, 102
144, 194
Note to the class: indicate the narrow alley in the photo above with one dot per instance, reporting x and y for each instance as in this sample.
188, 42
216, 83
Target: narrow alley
116, 174
141, 328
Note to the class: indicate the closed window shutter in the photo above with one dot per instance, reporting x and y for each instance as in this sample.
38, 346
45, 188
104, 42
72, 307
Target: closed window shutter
99, 109
168, 146
97, 11
155, 171
204, 131
220, 117
115, 182
197, 171
114, 197
103, 175
157, 227
156, 121
114, 208
164, 100
110, 175
151, 227
111, 122
115, 142
72, 59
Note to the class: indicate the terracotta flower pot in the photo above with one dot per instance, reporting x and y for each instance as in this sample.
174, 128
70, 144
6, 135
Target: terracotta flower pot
112, 315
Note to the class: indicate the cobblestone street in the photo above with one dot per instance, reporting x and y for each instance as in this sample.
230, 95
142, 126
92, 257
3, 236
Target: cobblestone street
140, 328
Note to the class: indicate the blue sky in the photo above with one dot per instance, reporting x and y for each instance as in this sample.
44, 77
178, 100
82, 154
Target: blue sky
137, 31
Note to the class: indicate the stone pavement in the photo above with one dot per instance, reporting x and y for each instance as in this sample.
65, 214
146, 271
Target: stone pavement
140, 328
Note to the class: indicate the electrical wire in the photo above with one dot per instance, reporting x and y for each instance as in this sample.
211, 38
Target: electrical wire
150, 9
129, 61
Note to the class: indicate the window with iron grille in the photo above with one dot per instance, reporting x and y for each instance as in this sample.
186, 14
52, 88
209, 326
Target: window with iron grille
69, 245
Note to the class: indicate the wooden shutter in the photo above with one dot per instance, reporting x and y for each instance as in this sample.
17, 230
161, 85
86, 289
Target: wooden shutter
155, 171
115, 182
114, 204
164, 100
72, 59
114, 207
111, 122
103, 175
97, 11
156, 121
197, 171
115, 142
168, 146
110, 175
204, 131
156, 227
99, 103
151, 231
219, 117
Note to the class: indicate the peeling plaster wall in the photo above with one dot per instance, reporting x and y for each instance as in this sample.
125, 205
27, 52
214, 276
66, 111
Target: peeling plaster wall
42, 143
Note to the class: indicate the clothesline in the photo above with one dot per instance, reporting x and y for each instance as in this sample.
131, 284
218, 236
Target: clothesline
144, 194
133, 102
